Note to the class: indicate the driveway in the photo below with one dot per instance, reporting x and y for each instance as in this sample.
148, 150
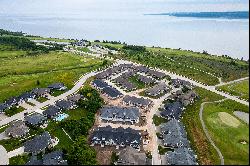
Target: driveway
16, 152
4, 160
3, 136
3, 116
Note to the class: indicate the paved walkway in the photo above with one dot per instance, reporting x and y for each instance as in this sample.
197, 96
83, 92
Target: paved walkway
3, 136
16, 152
230, 82
4, 160
207, 133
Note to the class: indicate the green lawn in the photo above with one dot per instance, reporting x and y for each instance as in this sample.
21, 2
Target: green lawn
58, 92
207, 155
42, 99
21, 74
227, 137
14, 110
240, 89
19, 160
158, 120
55, 130
76, 113
162, 150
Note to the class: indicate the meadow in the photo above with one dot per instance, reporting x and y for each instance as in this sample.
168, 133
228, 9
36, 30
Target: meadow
240, 89
21, 72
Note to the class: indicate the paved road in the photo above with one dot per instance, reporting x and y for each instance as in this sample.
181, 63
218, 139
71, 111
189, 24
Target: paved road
242, 115
206, 131
4, 160
230, 82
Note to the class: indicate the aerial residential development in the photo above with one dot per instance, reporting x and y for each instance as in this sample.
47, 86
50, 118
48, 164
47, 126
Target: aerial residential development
81, 102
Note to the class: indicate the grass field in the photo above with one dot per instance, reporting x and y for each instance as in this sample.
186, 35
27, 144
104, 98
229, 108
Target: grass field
227, 131
240, 89
199, 143
158, 120
21, 73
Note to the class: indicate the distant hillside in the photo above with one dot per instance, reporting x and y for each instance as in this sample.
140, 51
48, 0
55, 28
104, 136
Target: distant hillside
225, 15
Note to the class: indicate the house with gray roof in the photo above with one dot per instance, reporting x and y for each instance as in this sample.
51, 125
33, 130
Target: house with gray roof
157, 90
174, 134
38, 143
99, 84
75, 98
141, 69
119, 137
124, 83
3, 107
181, 156
178, 82
27, 96
137, 102
41, 92
120, 114
111, 92
156, 74
172, 110
52, 111
130, 156
57, 86
187, 98
54, 158
17, 129
35, 119
145, 79
66, 104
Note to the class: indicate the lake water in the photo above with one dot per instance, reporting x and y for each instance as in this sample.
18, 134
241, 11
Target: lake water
125, 20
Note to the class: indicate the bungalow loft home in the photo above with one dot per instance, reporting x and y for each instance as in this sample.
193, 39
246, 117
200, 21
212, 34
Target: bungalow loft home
141, 69
57, 86
107, 90
178, 82
27, 96
120, 114
52, 158
35, 120
174, 134
119, 137
187, 98
156, 74
137, 102
124, 83
157, 90
52, 111
128, 74
146, 80
99, 84
66, 104
172, 110
130, 156
17, 129
75, 98
38, 144
181, 156
41, 92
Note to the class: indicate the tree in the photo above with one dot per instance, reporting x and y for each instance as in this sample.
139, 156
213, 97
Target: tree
37, 82
81, 153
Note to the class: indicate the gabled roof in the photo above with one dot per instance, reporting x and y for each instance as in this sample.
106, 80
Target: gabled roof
65, 104
38, 143
40, 91
35, 119
27, 95
156, 74
116, 112
172, 110
131, 156
17, 129
75, 97
181, 156
54, 158
137, 101
57, 86
145, 79
157, 89
112, 92
52, 111
100, 84
3, 107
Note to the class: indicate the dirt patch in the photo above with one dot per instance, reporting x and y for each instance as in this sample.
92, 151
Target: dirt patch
228, 119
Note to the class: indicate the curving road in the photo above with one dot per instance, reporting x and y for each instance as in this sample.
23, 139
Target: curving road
206, 131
